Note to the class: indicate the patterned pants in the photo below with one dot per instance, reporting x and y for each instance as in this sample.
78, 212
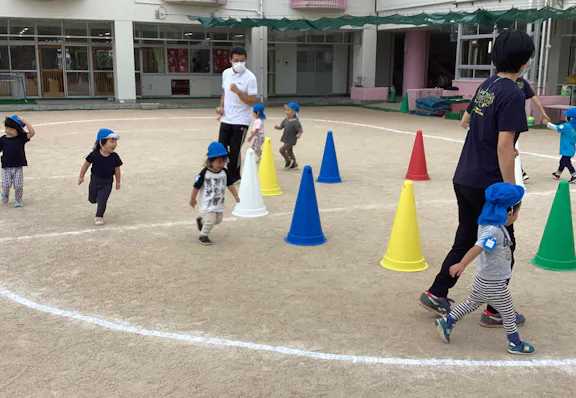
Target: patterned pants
209, 220
257, 143
12, 176
494, 293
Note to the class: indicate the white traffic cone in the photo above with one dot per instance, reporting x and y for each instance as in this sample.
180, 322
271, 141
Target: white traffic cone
251, 201
518, 170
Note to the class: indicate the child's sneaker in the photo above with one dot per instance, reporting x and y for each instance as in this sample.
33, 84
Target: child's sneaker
522, 349
438, 305
489, 320
556, 175
99, 220
199, 223
294, 165
18, 204
291, 163
525, 176
287, 164
443, 329
4, 198
204, 240
572, 179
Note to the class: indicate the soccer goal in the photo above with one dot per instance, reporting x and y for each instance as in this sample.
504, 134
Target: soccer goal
13, 86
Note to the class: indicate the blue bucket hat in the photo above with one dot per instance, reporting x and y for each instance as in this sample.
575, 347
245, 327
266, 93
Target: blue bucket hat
105, 134
499, 198
216, 149
260, 109
294, 106
16, 119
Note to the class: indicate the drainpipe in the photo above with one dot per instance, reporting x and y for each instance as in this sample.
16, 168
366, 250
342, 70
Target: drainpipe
263, 54
548, 47
541, 57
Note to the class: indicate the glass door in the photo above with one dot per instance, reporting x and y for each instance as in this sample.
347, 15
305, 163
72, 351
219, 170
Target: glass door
51, 71
103, 61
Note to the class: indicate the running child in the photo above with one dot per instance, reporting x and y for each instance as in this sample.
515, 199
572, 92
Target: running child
12, 146
211, 185
105, 168
292, 132
567, 144
494, 267
258, 130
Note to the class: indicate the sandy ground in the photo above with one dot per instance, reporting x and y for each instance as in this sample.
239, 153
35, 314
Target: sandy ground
144, 268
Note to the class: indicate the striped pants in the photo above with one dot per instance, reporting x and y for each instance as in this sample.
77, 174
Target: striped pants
494, 293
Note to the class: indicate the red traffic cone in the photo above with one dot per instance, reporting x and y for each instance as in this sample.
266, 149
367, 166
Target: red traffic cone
417, 170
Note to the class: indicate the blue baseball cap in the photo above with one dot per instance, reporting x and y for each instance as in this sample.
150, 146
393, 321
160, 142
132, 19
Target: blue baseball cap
499, 198
216, 149
294, 106
260, 109
16, 119
104, 134
571, 113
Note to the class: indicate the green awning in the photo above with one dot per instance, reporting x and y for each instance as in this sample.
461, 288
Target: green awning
480, 17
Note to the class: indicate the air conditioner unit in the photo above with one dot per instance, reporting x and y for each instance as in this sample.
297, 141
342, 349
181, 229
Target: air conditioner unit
198, 2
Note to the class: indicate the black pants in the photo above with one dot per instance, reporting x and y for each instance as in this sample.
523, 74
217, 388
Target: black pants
566, 161
99, 192
470, 203
232, 136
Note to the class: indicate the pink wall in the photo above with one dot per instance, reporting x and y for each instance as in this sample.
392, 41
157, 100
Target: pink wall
415, 59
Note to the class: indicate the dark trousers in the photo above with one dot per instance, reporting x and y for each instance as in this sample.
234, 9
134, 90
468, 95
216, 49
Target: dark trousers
566, 161
470, 203
232, 136
99, 192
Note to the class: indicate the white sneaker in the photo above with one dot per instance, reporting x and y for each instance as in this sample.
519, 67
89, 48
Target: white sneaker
99, 221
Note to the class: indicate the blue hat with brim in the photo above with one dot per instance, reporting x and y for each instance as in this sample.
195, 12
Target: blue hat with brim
104, 134
571, 113
260, 109
294, 106
499, 198
17, 120
216, 149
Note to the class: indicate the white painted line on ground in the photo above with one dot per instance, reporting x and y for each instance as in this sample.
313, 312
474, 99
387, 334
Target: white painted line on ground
213, 341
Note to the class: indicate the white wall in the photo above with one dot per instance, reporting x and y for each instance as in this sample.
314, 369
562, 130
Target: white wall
386, 7
154, 85
286, 68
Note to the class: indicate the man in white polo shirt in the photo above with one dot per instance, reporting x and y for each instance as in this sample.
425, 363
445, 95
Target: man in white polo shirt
238, 97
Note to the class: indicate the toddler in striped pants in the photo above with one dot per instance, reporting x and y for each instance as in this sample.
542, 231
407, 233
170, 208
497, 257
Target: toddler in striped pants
493, 267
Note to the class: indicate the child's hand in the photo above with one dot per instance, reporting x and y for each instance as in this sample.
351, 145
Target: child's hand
193, 202
80, 180
278, 127
117, 185
249, 138
457, 269
237, 198
298, 135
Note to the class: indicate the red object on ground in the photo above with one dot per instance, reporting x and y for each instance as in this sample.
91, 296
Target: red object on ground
417, 170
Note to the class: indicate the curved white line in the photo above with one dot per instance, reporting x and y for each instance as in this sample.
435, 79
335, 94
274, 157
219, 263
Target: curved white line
191, 338
212, 341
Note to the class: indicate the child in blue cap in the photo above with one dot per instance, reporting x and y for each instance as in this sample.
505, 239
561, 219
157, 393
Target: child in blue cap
567, 144
14, 157
292, 132
105, 167
211, 185
258, 130
493, 268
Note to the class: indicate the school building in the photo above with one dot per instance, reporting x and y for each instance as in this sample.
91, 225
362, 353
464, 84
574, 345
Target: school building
130, 49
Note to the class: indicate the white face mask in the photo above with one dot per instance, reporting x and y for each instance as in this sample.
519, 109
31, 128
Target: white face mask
239, 67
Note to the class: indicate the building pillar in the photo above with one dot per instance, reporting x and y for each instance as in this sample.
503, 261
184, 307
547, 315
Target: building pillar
124, 69
365, 58
258, 59
415, 59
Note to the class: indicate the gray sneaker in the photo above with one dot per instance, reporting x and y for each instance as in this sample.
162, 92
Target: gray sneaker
204, 240
437, 305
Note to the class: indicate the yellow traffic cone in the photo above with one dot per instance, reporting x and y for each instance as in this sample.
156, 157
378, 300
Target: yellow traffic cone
267, 171
404, 250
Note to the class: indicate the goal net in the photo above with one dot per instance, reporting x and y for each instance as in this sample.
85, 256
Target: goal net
12, 86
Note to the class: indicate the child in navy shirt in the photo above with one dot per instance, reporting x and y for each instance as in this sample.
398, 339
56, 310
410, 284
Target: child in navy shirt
105, 168
497, 118
567, 144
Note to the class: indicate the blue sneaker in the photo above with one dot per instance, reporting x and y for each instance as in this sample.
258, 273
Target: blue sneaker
4, 199
489, 320
438, 305
522, 349
18, 204
443, 329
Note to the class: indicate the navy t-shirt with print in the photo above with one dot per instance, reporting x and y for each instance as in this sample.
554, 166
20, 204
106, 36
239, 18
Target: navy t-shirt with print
525, 87
13, 153
497, 106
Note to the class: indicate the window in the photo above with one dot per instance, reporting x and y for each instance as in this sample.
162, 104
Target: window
23, 57
178, 60
3, 27
4, 60
49, 28
476, 52
76, 58
200, 61
153, 59
78, 83
103, 59
76, 31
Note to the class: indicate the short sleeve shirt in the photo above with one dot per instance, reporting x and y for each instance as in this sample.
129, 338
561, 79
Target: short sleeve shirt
291, 129
236, 112
258, 126
212, 189
104, 166
525, 87
497, 106
13, 153
495, 261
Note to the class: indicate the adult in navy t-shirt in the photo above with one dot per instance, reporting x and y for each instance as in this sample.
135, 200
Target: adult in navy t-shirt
497, 106
525, 87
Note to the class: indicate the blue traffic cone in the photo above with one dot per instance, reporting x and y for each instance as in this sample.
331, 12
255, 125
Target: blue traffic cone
329, 172
306, 229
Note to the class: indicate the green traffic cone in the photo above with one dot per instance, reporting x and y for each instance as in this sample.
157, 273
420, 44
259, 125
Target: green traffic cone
404, 108
556, 250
